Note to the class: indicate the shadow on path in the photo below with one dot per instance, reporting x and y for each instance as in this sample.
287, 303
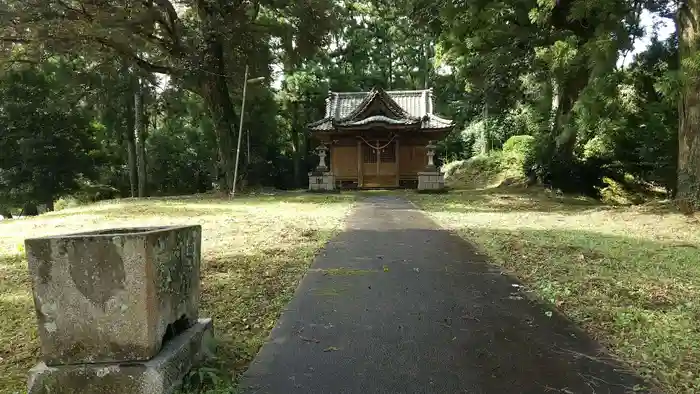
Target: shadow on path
394, 305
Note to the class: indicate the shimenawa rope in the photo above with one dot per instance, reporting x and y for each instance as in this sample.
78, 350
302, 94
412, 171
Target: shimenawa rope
378, 147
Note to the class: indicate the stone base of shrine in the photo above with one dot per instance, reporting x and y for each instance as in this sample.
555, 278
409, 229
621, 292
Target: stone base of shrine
320, 181
431, 181
160, 375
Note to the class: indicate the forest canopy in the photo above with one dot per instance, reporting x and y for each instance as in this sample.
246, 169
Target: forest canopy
134, 98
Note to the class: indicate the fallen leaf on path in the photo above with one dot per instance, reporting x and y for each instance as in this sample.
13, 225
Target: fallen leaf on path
331, 349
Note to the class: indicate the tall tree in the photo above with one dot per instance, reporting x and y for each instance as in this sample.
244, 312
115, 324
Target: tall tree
688, 192
201, 44
45, 138
140, 130
302, 98
130, 130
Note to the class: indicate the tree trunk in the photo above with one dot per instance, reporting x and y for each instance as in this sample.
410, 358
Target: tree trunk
555, 108
30, 209
566, 94
485, 132
426, 65
296, 153
5, 212
224, 117
303, 155
50, 206
129, 137
391, 67
215, 91
140, 136
688, 188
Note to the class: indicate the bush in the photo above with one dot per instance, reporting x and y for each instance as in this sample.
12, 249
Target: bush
89, 192
480, 171
617, 193
519, 154
519, 145
67, 202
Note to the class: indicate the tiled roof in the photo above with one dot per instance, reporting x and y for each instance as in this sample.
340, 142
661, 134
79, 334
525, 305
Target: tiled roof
413, 106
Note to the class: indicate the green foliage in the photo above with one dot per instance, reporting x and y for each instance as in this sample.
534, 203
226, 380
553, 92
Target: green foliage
497, 168
475, 136
480, 171
545, 69
182, 148
519, 153
615, 193
456, 146
66, 203
46, 140
520, 146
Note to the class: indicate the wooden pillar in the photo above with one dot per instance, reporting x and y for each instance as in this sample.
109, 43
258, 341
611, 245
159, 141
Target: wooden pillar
359, 163
398, 163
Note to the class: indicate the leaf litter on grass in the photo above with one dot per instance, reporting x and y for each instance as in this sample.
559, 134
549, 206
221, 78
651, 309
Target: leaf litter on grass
254, 251
629, 276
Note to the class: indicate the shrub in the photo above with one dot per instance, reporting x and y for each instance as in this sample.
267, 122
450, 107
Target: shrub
478, 172
519, 153
617, 193
522, 144
67, 202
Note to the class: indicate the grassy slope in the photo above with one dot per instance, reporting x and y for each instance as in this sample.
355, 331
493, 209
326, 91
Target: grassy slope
630, 276
255, 250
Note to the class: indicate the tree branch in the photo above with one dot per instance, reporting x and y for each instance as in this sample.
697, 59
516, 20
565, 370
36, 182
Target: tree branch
15, 40
256, 11
126, 53
173, 21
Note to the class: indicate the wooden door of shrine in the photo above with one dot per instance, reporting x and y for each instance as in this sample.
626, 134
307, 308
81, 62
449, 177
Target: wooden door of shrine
380, 163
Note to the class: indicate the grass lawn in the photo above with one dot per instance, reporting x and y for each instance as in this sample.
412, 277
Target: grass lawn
254, 249
629, 276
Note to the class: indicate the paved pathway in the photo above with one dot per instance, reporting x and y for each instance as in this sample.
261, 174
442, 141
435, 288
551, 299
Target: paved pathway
395, 305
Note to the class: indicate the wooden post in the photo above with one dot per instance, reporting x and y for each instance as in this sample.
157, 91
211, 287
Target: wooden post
398, 164
359, 163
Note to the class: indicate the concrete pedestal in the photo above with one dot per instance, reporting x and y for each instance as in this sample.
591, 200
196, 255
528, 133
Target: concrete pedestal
321, 181
160, 375
431, 181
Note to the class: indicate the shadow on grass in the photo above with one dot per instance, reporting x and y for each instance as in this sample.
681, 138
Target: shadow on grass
632, 294
505, 199
19, 348
243, 293
195, 206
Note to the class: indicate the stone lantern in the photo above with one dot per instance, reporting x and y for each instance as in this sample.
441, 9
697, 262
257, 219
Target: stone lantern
322, 152
430, 152
321, 179
431, 180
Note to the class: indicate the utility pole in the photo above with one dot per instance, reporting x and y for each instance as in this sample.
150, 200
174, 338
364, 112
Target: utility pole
246, 81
